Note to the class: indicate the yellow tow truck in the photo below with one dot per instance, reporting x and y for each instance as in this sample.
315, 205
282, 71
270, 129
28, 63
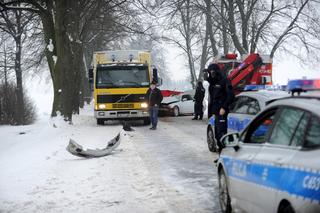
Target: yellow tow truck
120, 81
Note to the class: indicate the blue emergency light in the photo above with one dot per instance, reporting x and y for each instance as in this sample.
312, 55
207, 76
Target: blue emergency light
303, 85
254, 87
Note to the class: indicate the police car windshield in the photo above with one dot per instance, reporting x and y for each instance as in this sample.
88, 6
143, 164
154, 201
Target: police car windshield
122, 76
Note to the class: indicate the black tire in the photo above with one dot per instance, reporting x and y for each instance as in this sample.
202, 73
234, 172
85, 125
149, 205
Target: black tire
224, 196
176, 111
146, 121
100, 121
285, 207
212, 143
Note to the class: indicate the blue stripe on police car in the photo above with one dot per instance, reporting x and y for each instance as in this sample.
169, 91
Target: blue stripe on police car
234, 123
291, 180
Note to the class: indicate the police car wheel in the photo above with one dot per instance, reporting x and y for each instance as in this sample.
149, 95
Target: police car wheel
176, 111
285, 207
212, 145
224, 197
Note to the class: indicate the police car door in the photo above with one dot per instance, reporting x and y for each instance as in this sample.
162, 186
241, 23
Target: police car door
243, 189
272, 172
242, 111
186, 104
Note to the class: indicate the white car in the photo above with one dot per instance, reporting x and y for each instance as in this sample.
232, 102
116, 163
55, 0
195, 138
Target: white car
273, 165
182, 104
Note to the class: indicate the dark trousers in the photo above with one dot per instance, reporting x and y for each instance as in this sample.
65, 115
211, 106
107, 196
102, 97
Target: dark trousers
153, 110
198, 110
220, 127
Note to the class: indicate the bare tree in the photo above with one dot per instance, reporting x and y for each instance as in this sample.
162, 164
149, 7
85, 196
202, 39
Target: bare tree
66, 26
14, 23
185, 20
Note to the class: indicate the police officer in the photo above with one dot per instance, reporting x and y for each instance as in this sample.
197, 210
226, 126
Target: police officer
198, 101
220, 97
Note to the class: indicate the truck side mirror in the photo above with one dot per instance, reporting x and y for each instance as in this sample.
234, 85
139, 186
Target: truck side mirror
90, 75
159, 82
155, 74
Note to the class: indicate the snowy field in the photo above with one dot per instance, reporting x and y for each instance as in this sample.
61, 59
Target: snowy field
168, 170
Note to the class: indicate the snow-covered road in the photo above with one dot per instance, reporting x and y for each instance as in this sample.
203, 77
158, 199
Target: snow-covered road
177, 156
168, 170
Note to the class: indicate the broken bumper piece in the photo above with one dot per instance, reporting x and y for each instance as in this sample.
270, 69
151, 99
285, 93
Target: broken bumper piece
77, 149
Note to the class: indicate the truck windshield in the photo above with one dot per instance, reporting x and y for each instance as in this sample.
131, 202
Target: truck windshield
122, 76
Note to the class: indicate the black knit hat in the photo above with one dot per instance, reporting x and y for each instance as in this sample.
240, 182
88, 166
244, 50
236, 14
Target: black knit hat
213, 67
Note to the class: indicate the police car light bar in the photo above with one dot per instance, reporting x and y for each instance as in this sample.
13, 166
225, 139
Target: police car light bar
303, 85
254, 87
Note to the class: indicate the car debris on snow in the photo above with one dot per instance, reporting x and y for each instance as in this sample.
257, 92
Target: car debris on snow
77, 150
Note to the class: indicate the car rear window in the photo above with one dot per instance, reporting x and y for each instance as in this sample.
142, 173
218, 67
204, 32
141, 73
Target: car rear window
313, 133
285, 126
299, 134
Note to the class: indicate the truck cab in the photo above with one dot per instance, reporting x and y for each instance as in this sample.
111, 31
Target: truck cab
120, 81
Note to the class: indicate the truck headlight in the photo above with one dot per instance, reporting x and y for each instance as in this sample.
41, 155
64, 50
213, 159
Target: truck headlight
101, 106
144, 105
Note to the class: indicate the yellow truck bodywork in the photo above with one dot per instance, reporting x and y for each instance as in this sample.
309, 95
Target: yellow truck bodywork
124, 102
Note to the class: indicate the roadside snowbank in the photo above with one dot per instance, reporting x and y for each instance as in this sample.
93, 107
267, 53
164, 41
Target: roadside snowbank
37, 174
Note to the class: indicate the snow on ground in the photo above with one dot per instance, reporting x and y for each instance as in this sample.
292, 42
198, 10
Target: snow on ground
37, 174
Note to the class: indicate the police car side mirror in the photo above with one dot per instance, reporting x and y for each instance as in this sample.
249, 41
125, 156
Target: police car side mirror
231, 139
184, 99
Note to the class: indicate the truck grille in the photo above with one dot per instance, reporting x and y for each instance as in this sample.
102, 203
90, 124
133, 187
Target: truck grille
121, 98
122, 105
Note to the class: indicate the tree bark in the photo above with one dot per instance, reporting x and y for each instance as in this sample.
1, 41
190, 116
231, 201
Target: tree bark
232, 27
17, 67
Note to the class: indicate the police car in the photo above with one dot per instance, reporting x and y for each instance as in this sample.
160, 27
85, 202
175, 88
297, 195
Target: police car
245, 106
273, 165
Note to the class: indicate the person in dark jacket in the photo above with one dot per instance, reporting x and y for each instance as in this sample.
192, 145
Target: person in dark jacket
220, 97
154, 98
198, 101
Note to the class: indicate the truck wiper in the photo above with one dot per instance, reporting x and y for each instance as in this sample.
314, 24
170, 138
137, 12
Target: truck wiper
132, 82
106, 84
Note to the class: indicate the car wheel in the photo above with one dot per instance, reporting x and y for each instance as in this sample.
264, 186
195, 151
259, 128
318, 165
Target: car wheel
285, 207
211, 140
176, 111
224, 197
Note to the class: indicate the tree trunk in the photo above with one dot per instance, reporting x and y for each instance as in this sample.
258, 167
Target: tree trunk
51, 55
17, 67
69, 51
204, 54
209, 26
233, 29
225, 42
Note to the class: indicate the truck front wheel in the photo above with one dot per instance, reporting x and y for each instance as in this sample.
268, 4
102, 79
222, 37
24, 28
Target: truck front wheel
146, 121
100, 121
